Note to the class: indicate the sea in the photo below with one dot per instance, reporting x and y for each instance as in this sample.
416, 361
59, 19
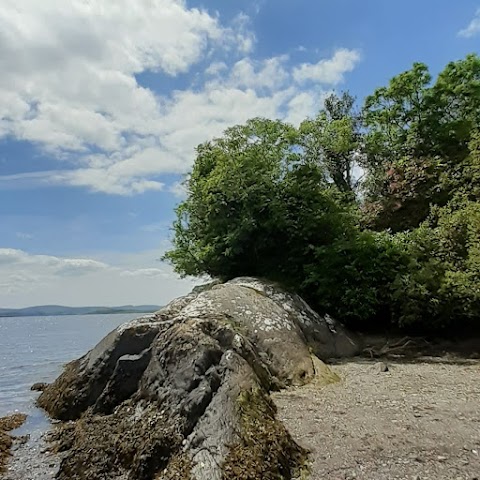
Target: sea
35, 349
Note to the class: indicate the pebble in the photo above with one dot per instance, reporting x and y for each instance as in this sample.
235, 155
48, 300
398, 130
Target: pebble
381, 367
30, 462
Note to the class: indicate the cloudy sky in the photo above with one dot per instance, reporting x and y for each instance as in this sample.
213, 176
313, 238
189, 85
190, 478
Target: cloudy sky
102, 103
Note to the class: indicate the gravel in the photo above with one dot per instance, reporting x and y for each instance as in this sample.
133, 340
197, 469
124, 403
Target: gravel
31, 461
390, 421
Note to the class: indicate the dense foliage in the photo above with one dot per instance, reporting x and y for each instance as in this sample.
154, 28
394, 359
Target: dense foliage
373, 215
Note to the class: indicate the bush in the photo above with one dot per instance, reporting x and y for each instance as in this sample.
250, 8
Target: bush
426, 280
441, 288
269, 200
352, 278
255, 207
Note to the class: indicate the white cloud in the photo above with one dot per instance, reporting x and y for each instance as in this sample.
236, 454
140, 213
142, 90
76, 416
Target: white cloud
78, 266
179, 189
270, 74
57, 265
68, 68
70, 84
19, 180
125, 279
328, 71
24, 235
241, 35
473, 28
216, 68
10, 256
146, 272
305, 104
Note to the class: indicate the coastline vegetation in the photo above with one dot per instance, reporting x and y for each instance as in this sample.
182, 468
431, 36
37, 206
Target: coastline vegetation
371, 213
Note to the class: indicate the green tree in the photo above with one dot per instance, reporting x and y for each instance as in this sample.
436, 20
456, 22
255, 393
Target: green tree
351, 278
333, 138
418, 141
254, 206
455, 107
440, 289
269, 200
397, 116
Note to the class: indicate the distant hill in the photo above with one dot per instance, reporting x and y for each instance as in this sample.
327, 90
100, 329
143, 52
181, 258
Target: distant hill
52, 310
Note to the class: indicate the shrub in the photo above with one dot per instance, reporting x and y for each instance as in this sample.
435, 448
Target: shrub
441, 288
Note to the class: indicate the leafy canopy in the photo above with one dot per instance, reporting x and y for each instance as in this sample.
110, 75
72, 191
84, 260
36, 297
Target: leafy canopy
417, 142
255, 206
373, 215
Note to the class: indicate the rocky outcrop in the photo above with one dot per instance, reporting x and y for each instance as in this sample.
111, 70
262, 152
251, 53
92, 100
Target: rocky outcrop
184, 393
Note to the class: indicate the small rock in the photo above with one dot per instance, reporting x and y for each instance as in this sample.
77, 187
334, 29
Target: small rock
441, 458
23, 439
381, 367
39, 386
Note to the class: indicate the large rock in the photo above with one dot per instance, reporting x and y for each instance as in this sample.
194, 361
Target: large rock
183, 394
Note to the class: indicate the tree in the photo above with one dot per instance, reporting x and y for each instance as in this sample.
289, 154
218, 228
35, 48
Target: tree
455, 107
351, 278
418, 141
397, 115
269, 200
332, 140
255, 206
440, 288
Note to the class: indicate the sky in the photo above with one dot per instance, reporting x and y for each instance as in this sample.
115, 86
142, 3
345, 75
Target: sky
103, 102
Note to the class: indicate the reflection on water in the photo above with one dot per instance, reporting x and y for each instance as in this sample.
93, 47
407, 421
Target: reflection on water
34, 349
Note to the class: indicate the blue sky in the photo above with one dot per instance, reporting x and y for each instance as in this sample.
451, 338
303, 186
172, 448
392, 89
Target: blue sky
103, 103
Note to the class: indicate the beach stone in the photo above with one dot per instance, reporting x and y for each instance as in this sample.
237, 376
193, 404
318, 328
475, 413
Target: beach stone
381, 367
39, 386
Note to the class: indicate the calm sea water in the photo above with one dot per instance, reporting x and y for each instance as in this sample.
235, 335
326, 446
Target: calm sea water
34, 349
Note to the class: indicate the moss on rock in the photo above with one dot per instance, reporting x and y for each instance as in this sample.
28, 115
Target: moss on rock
266, 450
56, 399
179, 468
324, 375
109, 446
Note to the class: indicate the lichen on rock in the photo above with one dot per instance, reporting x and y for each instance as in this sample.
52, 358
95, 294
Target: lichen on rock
186, 391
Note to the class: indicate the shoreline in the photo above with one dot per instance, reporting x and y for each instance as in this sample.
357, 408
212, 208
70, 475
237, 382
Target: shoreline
410, 367
7, 439
31, 458
399, 410
35, 458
